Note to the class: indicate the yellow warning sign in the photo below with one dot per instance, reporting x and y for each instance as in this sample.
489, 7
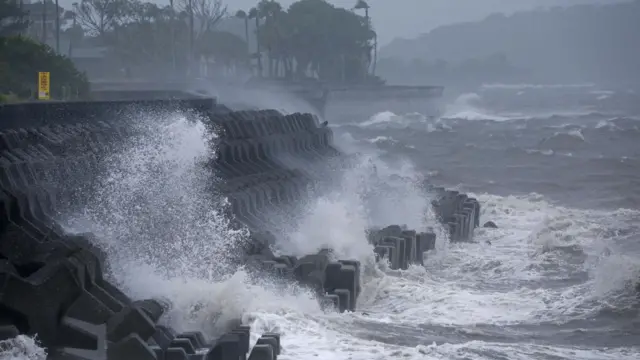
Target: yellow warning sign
43, 86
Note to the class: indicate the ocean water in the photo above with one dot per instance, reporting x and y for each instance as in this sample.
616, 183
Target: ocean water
557, 168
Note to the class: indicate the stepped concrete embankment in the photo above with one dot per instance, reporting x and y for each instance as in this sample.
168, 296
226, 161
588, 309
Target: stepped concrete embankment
53, 282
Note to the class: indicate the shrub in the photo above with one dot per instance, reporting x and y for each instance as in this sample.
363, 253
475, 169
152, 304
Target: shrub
22, 58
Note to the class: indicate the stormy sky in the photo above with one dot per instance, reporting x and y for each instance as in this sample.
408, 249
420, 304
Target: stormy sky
409, 18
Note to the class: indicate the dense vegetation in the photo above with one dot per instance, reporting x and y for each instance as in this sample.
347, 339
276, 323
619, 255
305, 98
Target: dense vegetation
20, 61
310, 38
22, 58
334, 43
582, 43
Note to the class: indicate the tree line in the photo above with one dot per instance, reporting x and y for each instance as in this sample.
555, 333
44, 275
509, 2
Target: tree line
310, 38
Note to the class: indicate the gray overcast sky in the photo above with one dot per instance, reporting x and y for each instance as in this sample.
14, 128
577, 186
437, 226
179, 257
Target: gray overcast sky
409, 18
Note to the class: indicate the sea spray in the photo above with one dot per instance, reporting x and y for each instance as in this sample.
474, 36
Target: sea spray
21, 348
155, 213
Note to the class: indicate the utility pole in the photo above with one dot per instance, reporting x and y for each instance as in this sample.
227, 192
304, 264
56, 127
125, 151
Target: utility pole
258, 49
73, 26
173, 38
57, 28
44, 21
191, 37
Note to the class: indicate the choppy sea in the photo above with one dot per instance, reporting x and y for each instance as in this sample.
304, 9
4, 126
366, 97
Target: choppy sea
557, 168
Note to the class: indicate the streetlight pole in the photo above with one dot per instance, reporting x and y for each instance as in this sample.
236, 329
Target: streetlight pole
72, 39
361, 4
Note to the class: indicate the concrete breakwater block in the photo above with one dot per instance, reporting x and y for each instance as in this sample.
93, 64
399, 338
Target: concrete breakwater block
335, 282
52, 286
53, 283
458, 212
401, 247
268, 161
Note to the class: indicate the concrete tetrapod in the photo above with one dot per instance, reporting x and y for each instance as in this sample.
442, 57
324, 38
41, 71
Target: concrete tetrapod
76, 313
459, 214
264, 162
337, 283
52, 282
38, 256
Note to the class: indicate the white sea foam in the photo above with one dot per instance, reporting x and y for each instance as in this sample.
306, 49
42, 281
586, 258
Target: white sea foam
21, 348
522, 252
468, 107
414, 121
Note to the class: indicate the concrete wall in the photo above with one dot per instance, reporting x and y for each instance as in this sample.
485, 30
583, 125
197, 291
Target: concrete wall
60, 112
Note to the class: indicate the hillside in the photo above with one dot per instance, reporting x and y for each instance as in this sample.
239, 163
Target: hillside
595, 43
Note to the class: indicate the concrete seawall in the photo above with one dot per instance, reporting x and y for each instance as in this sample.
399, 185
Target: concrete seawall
53, 283
49, 113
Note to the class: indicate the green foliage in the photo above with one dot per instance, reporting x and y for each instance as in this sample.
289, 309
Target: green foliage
150, 37
315, 36
9, 98
310, 38
20, 61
